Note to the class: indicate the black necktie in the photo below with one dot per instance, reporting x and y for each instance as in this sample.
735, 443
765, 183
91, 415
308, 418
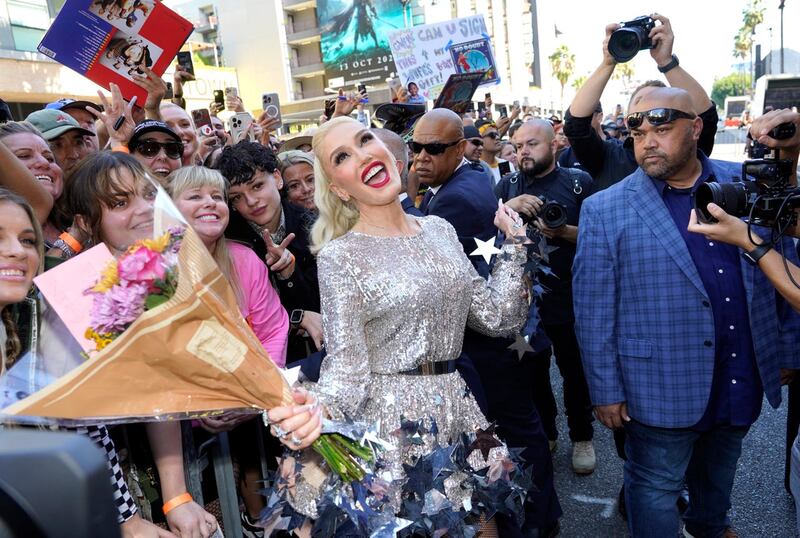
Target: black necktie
425, 201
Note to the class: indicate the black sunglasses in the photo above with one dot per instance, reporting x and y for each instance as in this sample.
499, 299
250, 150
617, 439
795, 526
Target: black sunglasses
494, 135
150, 148
657, 116
475, 141
433, 148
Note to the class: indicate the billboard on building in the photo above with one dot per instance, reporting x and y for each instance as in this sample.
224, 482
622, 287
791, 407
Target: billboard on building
355, 39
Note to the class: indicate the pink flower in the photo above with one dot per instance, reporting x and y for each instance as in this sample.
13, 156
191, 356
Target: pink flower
144, 265
115, 310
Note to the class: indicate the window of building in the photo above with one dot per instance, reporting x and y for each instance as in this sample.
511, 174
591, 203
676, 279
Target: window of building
29, 22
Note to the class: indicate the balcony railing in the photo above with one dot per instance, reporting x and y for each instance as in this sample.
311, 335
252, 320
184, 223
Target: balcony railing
308, 69
305, 33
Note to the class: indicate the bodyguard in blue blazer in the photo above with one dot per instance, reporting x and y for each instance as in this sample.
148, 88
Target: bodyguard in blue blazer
680, 337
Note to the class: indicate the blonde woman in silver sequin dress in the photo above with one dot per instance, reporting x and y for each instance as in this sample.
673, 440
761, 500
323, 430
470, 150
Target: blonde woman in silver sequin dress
397, 292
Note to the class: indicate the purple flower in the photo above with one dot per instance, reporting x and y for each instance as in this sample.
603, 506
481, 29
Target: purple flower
115, 310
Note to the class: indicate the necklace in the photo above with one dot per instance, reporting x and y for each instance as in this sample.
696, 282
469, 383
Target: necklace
368, 223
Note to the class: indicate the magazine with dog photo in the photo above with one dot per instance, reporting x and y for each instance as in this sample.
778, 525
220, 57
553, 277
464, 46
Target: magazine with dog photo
113, 40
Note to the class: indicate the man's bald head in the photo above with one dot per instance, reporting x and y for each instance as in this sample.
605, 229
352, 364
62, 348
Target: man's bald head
443, 120
662, 98
542, 129
645, 87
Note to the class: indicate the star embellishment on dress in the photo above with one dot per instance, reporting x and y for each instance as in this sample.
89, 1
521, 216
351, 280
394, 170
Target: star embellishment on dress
485, 249
521, 346
484, 441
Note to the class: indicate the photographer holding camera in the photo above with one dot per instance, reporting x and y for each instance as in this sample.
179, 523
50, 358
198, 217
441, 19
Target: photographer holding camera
716, 224
607, 161
732, 230
551, 196
680, 337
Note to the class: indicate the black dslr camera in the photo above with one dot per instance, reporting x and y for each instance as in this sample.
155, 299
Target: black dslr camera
634, 36
767, 199
553, 214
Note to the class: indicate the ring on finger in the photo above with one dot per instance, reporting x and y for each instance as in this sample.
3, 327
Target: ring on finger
295, 441
279, 432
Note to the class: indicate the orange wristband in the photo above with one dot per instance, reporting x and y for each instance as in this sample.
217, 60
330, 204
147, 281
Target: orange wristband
121, 149
73, 243
173, 503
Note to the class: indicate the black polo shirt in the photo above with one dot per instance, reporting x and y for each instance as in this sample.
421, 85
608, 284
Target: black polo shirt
560, 186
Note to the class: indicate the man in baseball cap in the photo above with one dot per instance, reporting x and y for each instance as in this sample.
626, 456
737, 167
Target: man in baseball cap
66, 137
77, 109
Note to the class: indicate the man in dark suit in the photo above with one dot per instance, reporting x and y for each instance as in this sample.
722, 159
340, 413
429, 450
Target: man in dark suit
459, 193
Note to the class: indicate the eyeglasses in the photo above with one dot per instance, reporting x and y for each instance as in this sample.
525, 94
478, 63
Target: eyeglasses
475, 141
433, 148
657, 116
494, 135
150, 148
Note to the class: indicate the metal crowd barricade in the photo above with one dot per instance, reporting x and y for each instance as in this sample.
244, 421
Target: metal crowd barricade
219, 451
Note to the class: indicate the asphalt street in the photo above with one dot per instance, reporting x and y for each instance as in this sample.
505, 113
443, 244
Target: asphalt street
761, 506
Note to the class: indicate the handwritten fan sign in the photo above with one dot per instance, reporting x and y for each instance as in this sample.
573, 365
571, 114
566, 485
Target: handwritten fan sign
425, 54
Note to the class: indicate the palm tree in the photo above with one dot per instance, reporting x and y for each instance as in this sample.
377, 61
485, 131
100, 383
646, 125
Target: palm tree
624, 72
753, 15
562, 63
578, 82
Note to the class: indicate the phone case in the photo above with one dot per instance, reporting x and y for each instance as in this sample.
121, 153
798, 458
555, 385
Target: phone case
272, 106
185, 61
239, 124
202, 121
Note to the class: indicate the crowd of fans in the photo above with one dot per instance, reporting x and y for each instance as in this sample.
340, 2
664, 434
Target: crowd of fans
639, 342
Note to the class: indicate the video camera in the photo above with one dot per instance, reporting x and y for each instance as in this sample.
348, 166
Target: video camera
632, 37
768, 198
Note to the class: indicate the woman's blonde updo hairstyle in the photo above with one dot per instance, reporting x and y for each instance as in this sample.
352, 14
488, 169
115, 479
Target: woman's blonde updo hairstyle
336, 217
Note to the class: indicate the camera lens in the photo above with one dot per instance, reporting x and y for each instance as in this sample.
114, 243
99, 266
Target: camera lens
625, 43
731, 197
554, 215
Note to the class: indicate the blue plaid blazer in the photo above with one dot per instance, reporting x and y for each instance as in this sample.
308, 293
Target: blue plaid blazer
645, 336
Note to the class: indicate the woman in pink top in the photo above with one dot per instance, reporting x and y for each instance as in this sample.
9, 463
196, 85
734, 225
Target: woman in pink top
200, 194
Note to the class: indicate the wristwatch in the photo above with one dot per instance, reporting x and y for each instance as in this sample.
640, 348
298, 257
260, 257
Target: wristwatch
671, 65
296, 318
757, 253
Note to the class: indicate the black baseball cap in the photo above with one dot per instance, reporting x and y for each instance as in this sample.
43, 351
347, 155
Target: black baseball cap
150, 126
470, 131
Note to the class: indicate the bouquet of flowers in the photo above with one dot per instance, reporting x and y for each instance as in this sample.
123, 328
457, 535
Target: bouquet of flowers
170, 344
144, 277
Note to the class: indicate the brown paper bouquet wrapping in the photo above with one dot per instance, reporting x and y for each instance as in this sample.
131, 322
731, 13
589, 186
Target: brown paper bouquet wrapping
189, 357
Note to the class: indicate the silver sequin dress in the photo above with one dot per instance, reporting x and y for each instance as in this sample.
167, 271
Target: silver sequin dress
390, 304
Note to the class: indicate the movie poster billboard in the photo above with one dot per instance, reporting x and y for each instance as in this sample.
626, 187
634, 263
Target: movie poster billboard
355, 39
427, 55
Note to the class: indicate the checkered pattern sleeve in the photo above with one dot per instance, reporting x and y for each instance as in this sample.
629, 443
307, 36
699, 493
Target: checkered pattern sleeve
126, 508
595, 289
